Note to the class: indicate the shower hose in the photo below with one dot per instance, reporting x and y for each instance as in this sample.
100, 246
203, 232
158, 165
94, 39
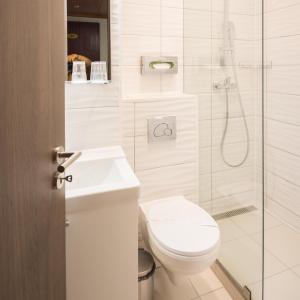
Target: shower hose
225, 131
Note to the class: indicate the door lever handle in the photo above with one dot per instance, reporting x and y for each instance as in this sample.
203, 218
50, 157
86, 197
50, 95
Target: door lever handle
65, 159
70, 159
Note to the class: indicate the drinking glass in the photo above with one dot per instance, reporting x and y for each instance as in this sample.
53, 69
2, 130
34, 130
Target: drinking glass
99, 72
79, 71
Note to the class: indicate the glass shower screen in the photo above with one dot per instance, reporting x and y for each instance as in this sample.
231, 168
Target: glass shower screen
223, 67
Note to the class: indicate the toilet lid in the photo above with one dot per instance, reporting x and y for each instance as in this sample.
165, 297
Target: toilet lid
182, 227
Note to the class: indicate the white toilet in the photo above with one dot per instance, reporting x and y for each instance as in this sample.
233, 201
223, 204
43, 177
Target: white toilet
183, 237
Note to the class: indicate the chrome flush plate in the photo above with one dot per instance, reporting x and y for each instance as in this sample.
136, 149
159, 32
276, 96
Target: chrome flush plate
162, 128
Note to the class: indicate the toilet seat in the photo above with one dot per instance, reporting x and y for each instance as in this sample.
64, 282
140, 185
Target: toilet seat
181, 227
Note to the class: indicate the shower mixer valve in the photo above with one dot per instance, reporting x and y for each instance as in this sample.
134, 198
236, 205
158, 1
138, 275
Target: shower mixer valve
226, 84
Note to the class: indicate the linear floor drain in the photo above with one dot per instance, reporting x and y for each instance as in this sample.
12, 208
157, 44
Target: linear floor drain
235, 212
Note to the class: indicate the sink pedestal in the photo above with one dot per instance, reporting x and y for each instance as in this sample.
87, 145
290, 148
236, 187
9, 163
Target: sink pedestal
102, 236
102, 252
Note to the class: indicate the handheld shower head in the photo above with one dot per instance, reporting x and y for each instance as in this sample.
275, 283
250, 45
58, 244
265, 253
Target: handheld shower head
228, 36
228, 43
227, 58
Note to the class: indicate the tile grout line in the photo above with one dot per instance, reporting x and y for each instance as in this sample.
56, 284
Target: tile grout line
251, 236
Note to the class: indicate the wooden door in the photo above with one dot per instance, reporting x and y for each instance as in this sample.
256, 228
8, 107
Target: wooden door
32, 213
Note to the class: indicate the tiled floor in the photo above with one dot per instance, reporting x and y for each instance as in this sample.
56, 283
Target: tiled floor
205, 286
241, 254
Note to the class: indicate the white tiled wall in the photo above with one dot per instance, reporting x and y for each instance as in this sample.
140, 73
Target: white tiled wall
165, 168
191, 30
283, 109
151, 28
156, 28
93, 113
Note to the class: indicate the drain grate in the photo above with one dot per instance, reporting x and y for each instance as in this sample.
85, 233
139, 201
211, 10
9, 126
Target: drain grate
234, 212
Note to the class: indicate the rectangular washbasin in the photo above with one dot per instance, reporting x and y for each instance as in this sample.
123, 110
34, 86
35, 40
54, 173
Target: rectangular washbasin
100, 175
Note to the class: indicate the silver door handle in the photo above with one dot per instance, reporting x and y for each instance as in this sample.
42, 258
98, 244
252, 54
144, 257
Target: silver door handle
71, 157
65, 159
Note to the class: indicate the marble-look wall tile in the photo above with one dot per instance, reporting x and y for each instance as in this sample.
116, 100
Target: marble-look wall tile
273, 5
184, 109
92, 128
282, 157
156, 155
169, 181
140, 19
283, 22
153, 161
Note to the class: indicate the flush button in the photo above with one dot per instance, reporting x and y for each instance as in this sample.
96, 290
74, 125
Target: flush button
161, 129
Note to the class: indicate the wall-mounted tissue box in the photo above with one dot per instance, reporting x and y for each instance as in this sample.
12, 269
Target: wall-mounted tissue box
160, 64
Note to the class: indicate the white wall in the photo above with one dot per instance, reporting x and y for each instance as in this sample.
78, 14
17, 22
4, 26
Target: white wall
152, 27
93, 111
191, 30
283, 109
168, 168
165, 168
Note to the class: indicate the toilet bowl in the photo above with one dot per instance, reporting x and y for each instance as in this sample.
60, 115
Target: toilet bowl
183, 237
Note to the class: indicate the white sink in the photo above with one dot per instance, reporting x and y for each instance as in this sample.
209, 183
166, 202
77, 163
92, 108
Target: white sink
100, 175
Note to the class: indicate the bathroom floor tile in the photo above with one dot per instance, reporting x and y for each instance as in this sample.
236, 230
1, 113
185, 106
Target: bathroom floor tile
284, 243
243, 258
278, 287
229, 230
297, 270
221, 294
252, 222
206, 282
165, 290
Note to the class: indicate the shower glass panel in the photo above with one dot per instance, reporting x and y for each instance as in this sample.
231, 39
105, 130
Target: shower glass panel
282, 149
223, 67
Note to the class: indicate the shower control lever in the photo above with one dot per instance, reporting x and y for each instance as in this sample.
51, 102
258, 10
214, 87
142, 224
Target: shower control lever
226, 84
